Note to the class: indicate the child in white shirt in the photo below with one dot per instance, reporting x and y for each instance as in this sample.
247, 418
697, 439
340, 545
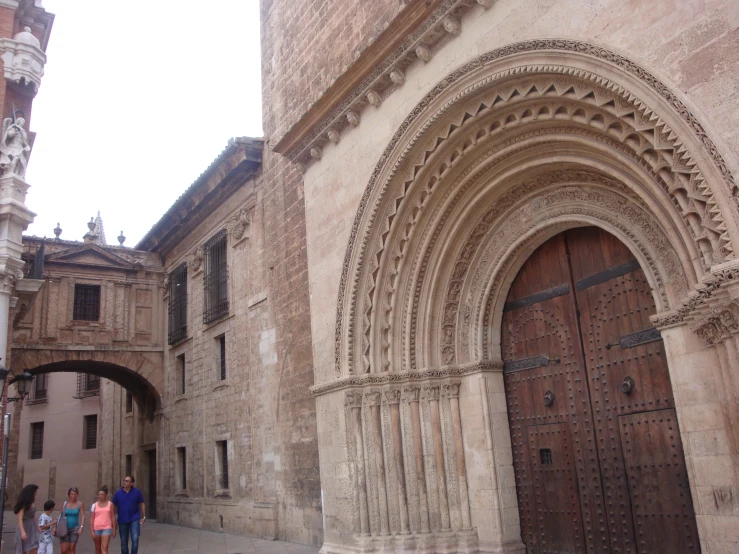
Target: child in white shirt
46, 526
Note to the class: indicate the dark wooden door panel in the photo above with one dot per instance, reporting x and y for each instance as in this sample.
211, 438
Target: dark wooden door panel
658, 483
580, 356
555, 491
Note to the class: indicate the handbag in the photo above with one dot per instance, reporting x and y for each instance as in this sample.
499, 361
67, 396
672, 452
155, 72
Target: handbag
61, 524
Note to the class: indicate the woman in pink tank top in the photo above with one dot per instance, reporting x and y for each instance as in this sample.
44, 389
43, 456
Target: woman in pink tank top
103, 525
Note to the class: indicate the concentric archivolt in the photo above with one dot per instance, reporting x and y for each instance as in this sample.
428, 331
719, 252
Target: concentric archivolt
502, 113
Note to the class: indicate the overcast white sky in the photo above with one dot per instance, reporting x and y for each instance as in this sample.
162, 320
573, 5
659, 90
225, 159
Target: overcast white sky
138, 98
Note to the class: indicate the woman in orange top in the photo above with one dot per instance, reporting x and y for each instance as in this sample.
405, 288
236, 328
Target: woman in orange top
103, 524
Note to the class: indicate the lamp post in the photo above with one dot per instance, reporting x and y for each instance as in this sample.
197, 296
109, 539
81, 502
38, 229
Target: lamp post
22, 383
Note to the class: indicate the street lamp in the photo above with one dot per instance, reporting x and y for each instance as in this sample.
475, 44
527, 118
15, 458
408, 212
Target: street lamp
22, 382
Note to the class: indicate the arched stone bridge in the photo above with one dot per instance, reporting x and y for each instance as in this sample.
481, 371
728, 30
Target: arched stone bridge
99, 311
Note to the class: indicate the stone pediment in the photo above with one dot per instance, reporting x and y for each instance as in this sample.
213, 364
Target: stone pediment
89, 255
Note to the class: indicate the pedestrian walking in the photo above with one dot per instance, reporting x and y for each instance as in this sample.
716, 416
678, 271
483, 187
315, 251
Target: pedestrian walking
103, 525
46, 525
74, 512
26, 532
129, 503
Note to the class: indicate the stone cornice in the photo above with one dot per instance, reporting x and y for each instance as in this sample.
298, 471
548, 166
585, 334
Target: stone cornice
241, 159
412, 35
407, 376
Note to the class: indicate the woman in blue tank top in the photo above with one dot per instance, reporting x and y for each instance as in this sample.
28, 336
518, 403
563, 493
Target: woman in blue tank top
74, 512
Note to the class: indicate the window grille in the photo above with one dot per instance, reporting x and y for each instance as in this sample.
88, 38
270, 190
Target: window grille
91, 432
222, 454
37, 440
87, 385
215, 279
86, 302
178, 304
545, 454
39, 390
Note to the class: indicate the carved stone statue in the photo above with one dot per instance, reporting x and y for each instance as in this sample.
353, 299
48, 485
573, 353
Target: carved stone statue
14, 147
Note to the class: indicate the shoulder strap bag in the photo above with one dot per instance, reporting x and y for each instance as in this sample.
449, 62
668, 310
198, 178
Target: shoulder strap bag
61, 524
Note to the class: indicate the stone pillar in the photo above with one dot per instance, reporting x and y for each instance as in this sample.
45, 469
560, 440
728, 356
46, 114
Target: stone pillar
415, 474
451, 391
393, 399
436, 447
376, 461
353, 400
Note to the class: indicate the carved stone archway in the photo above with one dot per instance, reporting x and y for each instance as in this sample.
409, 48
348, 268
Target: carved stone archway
513, 147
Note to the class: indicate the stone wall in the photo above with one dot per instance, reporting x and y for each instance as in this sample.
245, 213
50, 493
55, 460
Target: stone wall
306, 46
674, 41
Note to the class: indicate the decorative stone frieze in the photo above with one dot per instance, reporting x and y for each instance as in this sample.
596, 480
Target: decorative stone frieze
587, 99
23, 61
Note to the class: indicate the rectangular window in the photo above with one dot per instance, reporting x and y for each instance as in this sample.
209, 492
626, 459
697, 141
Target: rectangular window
129, 402
178, 304
37, 440
87, 385
90, 432
181, 468
222, 461
180, 374
39, 390
220, 348
129, 465
86, 302
215, 278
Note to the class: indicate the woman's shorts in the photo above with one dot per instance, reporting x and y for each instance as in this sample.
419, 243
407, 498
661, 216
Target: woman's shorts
73, 536
101, 532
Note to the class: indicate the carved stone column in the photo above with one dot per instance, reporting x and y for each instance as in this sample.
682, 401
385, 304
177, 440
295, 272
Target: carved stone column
415, 474
353, 402
373, 400
393, 399
451, 391
431, 395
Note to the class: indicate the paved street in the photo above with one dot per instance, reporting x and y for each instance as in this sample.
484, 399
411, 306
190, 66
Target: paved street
158, 538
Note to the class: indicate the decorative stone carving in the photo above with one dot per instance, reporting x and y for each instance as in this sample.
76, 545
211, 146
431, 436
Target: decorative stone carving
333, 135
23, 61
397, 77
392, 396
710, 235
352, 117
373, 98
450, 390
353, 399
423, 54
197, 260
316, 153
14, 146
452, 25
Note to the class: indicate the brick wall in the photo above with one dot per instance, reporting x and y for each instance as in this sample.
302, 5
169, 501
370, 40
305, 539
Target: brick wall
306, 45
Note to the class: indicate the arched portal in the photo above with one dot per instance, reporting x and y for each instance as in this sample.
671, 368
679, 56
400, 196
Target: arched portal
509, 150
598, 460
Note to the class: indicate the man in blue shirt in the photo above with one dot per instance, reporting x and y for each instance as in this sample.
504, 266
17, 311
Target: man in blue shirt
129, 503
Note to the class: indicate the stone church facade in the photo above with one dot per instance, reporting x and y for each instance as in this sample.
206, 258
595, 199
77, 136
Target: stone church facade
474, 291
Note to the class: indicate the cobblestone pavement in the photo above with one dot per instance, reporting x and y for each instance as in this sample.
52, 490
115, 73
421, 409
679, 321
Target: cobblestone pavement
158, 538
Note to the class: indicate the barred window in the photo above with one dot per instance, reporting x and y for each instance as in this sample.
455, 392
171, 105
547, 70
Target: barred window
178, 304
215, 279
37, 440
39, 390
87, 385
91, 432
86, 302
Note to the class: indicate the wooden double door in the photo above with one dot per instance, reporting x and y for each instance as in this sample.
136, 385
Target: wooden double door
597, 453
